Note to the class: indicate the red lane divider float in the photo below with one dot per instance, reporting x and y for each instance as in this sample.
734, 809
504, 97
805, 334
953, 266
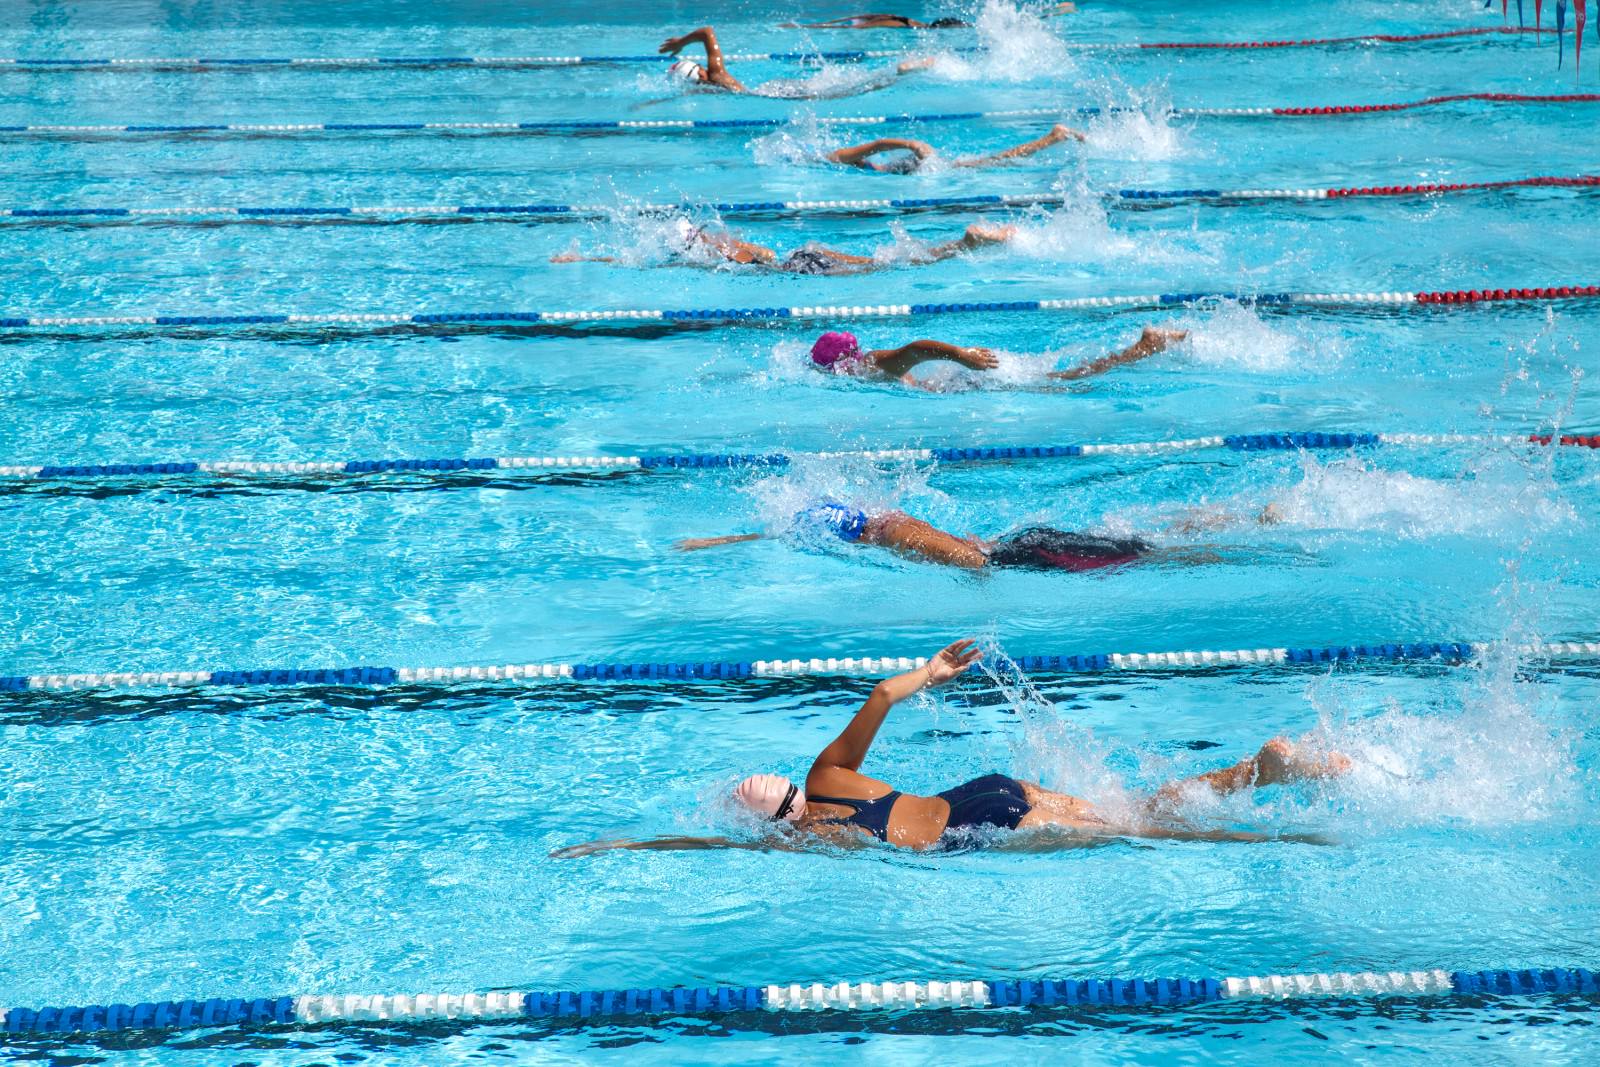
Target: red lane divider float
1476, 296
1582, 180
1580, 442
1313, 42
1499, 98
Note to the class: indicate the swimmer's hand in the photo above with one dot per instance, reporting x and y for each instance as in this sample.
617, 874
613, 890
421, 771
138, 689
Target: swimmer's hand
1062, 9
977, 358
953, 661
915, 64
673, 45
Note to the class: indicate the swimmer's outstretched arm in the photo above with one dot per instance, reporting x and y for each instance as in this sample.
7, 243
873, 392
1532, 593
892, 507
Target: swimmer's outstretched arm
1150, 342
849, 749
694, 544
906, 536
857, 155
977, 236
1057, 134
716, 69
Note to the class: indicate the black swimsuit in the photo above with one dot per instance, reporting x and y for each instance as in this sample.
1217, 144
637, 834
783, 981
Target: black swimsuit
993, 800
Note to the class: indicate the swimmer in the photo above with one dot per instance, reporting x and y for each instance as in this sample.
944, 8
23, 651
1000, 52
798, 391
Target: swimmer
715, 73
919, 152
841, 353
692, 245
1040, 548
841, 806
875, 21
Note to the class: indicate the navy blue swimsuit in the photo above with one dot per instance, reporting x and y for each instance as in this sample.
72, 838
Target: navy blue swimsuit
993, 800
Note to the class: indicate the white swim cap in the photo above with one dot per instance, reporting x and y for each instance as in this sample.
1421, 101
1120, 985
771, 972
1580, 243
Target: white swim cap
771, 795
688, 70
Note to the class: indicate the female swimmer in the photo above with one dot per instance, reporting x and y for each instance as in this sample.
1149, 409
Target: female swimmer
693, 245
842, 806
1041, 548
715, 73
840, 353
920, 152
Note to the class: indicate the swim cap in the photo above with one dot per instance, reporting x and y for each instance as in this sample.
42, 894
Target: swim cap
842, 520
771, 795
688, 70
833, 347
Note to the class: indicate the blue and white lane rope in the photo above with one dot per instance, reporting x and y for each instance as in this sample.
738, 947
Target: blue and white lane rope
525, 211
956, 994
634, 125
184, 472
203, 63
697, 316
1456, 652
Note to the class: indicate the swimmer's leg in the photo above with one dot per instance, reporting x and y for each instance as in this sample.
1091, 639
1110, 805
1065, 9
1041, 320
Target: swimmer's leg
1057, 134
1057, 809
1151, 341
1279, 761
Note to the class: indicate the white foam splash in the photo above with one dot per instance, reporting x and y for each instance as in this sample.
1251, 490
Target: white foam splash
1235, 336
1015, 44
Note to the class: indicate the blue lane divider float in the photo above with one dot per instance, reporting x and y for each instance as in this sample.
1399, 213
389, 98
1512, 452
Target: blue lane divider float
700, 316
954, 994
1454, 652
189, 472
636, 125
566, 212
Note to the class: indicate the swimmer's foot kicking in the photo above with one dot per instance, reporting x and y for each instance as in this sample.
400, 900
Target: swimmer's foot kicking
840, 353
841, 806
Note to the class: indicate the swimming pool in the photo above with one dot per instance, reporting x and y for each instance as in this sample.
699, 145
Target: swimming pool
168, 843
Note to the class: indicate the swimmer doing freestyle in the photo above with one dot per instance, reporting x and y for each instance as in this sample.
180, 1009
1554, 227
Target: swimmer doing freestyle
715, 73
1037, 548
693, 245
837, 352
843, 807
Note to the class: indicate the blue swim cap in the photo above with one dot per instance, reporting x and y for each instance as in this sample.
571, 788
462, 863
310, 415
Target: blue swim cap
842, 520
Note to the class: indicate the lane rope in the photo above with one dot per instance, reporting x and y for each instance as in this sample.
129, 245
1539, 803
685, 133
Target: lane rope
213, 471
559, 212
1458, 652
700, 316
202, 63
950, 994
635, 125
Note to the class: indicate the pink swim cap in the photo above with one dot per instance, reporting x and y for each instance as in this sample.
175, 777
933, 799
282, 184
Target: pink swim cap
771, 795
833, 347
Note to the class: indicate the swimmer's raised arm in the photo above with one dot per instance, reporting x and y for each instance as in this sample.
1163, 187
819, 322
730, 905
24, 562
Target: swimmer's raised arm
849, 749
898, 362
716, 68
857, 155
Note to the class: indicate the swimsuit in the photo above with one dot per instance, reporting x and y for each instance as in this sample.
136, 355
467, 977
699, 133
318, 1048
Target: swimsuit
809, 261
993, 800
830, 516
1042, 548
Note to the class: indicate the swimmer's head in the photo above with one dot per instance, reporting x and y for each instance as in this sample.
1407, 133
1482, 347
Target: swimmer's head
688, 70
772, 796
834, 348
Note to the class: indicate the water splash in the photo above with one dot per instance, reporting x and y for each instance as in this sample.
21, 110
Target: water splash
1235, 336
1015, 45
803, 141
1141, 129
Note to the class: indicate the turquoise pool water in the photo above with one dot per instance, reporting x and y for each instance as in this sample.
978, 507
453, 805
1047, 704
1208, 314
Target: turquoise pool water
169, 844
